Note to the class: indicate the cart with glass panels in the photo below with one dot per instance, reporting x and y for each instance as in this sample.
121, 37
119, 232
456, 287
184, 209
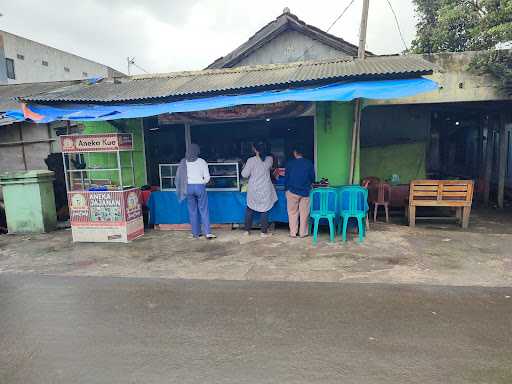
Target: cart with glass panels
104, 205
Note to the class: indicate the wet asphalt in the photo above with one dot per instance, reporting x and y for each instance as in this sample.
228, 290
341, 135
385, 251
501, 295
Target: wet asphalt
124, 330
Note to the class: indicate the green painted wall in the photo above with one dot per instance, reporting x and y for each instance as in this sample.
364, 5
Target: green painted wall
405, 160
334, 122
108, 160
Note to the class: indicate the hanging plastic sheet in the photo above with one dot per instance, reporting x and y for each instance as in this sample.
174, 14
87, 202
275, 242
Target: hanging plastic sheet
379, 89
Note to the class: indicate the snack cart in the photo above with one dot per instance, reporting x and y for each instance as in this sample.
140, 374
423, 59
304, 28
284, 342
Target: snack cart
104, 205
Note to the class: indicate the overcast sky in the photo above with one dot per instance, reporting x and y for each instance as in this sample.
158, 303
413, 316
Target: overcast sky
171, 35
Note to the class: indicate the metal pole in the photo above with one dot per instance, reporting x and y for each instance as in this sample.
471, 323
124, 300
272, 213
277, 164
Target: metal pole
118, 155
361, 53
144, 151
68, 184
133, 169
188, 136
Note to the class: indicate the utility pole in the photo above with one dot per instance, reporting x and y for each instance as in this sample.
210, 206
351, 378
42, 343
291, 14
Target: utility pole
361, 53
361, 49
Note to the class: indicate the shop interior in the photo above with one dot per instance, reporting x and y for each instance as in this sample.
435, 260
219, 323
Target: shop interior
456, 143
226, 144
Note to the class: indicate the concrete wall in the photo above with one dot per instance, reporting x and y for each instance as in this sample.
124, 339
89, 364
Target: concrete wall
457, 84
11, 154
3, 69
288, 47
30, 68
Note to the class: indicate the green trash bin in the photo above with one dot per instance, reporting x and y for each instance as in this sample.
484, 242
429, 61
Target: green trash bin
29, 201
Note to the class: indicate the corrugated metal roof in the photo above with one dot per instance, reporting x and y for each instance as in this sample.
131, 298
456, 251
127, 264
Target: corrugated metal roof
9, 92
240, 79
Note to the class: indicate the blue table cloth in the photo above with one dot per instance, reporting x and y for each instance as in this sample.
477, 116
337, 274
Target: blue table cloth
225, 208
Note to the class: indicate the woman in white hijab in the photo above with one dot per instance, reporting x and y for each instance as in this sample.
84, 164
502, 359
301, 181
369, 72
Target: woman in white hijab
191, 179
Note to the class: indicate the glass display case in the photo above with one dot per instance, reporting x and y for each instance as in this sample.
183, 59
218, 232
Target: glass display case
224, 177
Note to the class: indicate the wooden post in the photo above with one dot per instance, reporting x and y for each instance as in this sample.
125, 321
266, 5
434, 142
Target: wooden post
355, 132
412, 215
49, 130
465, 216
502, 159
489, 152
22, 144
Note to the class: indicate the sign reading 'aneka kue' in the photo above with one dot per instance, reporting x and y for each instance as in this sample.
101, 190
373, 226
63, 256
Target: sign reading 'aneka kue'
96, 143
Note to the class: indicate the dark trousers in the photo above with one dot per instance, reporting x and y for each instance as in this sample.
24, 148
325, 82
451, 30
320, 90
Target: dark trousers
197, 200
249, 213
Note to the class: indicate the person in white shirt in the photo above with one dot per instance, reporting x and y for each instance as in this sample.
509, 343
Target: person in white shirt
191, 179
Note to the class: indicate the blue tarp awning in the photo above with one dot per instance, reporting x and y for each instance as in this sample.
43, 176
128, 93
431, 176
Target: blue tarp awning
378, 89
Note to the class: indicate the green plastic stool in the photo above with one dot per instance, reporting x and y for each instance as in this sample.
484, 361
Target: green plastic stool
353, 203
327, 199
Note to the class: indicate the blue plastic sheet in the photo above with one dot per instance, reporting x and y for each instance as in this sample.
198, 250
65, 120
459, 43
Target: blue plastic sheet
379, 89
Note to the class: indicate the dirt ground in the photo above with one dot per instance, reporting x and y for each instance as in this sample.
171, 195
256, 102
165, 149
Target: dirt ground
435, 252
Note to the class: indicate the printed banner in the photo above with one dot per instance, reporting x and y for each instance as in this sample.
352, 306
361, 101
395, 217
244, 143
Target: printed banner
282, 109
104, 208
96, 143
133, 208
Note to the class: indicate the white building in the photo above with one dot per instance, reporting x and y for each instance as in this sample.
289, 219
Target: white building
26, 61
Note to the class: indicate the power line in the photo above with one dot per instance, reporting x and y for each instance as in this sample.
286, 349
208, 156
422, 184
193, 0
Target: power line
398, 25
328, 29
138, 66
340, 16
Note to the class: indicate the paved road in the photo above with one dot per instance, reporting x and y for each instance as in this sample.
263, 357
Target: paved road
121, 330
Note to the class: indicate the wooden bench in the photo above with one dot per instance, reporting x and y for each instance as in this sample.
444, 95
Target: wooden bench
441, 193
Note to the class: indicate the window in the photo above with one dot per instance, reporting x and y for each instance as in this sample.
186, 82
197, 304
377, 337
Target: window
85, 74
66, 69
20, 56
9, 64
45, 63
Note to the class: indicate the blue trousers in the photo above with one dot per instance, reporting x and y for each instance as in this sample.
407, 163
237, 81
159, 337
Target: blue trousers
197, 201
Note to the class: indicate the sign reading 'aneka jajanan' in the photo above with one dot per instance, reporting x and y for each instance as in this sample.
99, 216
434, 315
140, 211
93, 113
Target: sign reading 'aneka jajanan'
104, 142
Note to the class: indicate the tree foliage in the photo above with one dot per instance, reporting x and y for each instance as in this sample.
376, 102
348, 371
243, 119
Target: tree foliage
462, 25
468, 25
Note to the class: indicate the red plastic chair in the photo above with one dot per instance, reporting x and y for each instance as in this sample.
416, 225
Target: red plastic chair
383, 198
367, 182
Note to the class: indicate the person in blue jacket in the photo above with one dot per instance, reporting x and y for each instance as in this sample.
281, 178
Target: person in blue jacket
299, 178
